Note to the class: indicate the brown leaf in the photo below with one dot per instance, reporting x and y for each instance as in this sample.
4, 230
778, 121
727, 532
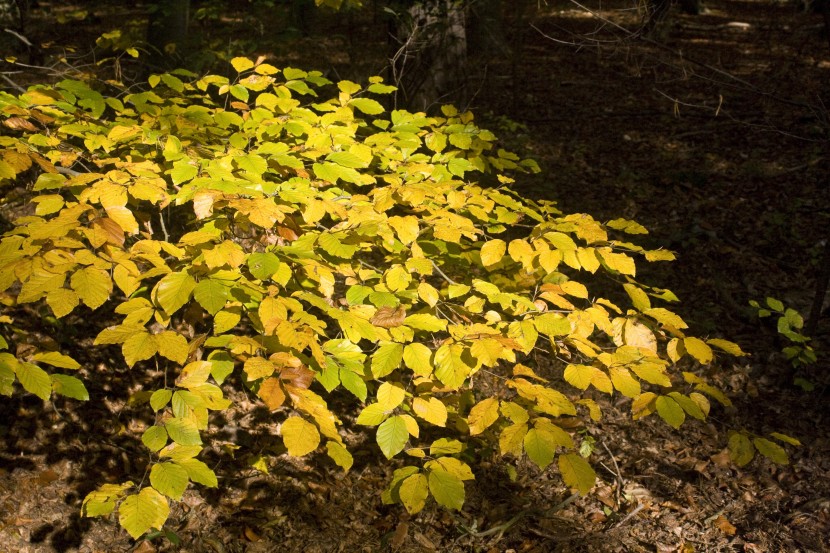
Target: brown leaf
145, 547
389, 317
18, 123
725, 526
286, 233
722, 459
47, 477
271, 393
250, 535
399, 537
240, 105
299, 377
111, 230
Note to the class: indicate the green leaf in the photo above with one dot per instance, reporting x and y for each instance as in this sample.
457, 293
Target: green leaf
771, 451
367, 105
447, 489
539, 447
372, 415
160, 398
299, 436
69, 386
142, 512
576, 472
451, 368
392, 436
263, 265
418, 357
173, 291
169, 479
154, 438
386, 359
212, 295
199, 472
34, 380
670, 411
741, 450
183, 431
183, 171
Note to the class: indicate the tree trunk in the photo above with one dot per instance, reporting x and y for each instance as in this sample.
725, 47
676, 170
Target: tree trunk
430, 53
167, 33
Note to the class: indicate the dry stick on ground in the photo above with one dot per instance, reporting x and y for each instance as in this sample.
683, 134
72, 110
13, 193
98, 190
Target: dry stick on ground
500, 529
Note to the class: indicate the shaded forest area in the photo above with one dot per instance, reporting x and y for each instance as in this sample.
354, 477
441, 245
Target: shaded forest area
712, 130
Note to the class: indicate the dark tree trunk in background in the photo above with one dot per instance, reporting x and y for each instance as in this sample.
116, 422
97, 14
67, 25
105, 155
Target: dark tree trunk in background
485, 30
167, 33
428, 53
657, 11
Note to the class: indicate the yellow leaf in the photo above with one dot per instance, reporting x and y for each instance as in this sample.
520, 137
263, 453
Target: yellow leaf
638, 335
138, 347
492, 252
483, 415
432, 410
172, 345
428, 294
258, 367
576, 472
624, 382
771, 451
92, 285
390, 395
521, 252
698, 349
727, 346
413, 492
299, 436
487, 351
62, 301
241, 64
666, 317
511, 439
618, 262
643, 405
339, 455
579, 376
406, 228
638, 297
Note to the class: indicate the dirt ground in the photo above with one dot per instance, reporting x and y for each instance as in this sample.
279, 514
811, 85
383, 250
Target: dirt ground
712, 133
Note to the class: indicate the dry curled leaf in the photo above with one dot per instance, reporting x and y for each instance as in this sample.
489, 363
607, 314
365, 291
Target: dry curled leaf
725, 526
389, 317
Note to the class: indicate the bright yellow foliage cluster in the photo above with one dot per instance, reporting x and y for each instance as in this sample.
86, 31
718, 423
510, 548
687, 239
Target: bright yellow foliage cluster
294, 231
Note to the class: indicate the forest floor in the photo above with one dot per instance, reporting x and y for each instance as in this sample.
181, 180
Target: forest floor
721, 152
